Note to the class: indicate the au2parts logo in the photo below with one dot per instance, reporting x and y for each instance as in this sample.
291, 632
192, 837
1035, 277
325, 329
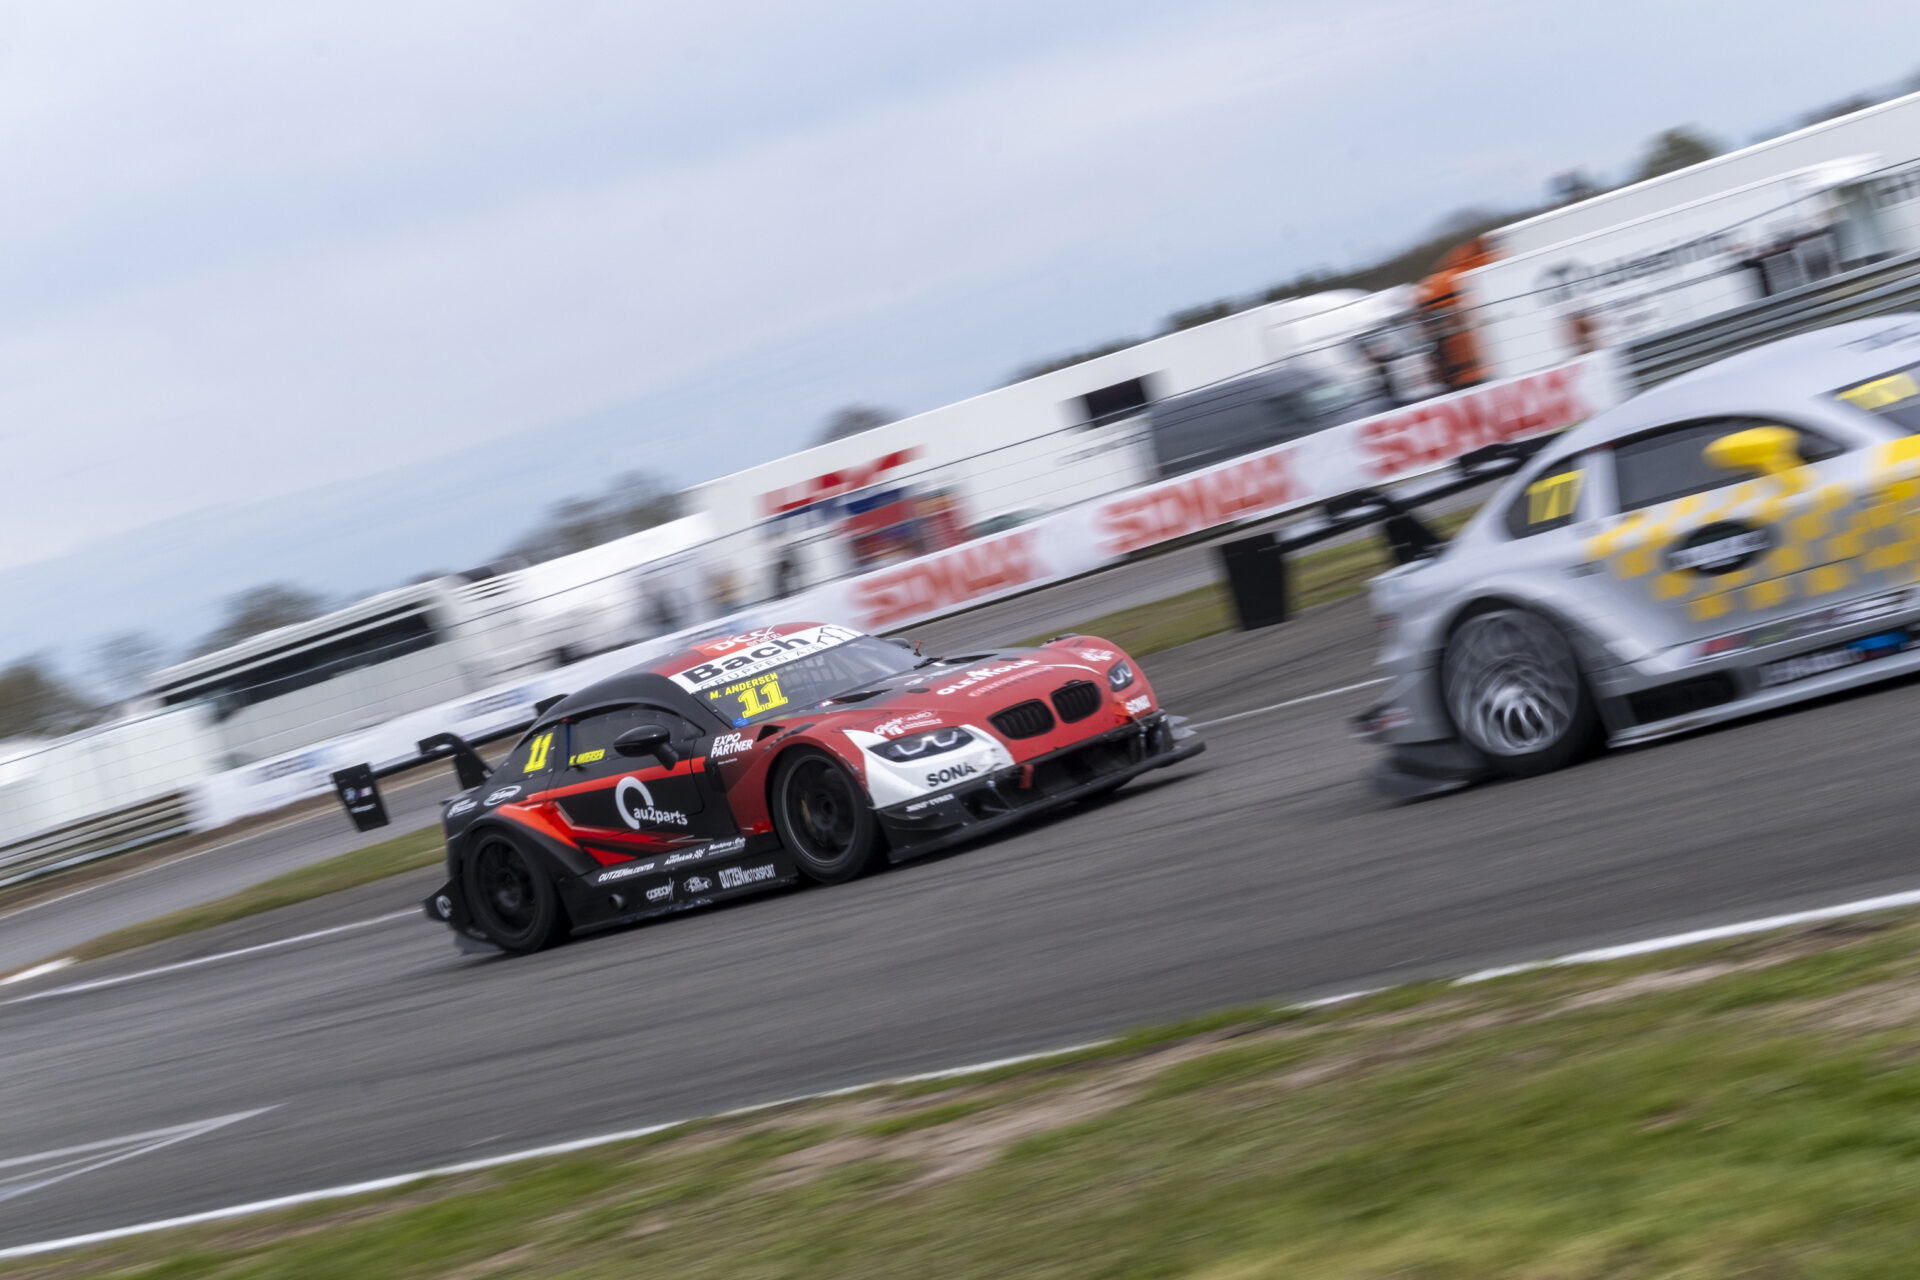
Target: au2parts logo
637, 809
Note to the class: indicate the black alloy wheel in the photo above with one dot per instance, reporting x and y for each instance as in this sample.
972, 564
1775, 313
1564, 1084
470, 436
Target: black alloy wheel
822, 817
510, 898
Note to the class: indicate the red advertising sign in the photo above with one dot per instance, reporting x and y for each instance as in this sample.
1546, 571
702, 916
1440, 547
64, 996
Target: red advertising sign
940, 582
835, 484
1429, 434
1218, 496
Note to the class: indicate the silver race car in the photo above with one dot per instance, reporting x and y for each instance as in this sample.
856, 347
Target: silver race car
1742, 537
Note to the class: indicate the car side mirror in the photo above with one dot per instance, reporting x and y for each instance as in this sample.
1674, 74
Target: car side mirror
902, 642
1769, 450
647, 740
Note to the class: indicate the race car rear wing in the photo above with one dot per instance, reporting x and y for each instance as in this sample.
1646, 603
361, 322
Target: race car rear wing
358, 785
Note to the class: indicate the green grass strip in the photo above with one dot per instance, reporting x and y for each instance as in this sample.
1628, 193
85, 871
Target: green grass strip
409, 852
1746, 1109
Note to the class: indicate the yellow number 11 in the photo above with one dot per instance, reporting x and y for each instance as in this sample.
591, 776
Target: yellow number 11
537, 754
758, 698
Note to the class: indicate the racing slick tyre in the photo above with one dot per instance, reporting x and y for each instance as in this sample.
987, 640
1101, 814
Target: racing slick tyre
823, 818
510, 898
1514, 690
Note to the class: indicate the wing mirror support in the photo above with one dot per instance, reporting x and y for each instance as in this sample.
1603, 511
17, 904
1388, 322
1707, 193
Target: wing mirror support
1768, 450
647, 740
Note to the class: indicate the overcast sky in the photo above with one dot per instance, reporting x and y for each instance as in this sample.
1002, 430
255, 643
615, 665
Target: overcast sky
248, 249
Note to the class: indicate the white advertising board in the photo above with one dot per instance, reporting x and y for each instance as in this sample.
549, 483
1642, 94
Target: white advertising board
1357, 455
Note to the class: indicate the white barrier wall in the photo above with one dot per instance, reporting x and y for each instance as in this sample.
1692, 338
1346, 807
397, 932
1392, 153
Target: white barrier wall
114, 766
1533, 310
298, 775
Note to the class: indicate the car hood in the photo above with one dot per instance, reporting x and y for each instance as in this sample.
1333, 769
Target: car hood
965, 689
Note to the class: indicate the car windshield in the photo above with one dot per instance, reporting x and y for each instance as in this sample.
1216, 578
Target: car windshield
806, 681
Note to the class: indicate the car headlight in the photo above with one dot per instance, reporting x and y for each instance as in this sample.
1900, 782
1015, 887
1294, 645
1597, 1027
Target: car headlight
918, 746
1119, 675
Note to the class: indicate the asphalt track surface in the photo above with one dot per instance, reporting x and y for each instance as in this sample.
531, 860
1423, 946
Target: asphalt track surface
1263, 869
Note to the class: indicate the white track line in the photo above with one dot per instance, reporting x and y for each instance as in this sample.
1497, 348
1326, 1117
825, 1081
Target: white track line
1294, 702
494, 1162
118, 979
1668, 942
1625, 950
37, 971
1327, 1002
47, 1168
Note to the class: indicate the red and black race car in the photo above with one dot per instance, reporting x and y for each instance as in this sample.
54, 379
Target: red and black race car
754, 760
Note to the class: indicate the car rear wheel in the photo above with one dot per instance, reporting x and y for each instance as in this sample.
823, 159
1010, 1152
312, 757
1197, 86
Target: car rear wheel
823, 818
1514, 690
510, 898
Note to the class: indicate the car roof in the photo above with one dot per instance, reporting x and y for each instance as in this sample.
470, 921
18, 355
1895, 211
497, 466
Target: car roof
651, 682
635, 685
1806, 367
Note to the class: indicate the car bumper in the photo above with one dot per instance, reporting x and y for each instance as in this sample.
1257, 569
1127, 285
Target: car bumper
444, 907
1419, 762
1011, 795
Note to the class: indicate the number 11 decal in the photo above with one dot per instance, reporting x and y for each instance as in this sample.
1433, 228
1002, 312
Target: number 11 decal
757, 699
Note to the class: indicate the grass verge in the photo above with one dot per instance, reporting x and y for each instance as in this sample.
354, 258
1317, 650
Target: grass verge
1318, 577
410, 852
1745, 1109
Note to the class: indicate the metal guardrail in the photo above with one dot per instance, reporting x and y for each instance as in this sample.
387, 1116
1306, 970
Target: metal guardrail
102, 836
1878, 289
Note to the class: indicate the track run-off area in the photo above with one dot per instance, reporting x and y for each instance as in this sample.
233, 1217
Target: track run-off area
346, 1040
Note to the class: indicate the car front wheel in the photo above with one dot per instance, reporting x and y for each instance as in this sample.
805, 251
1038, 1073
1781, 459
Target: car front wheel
1514, 690
823, 818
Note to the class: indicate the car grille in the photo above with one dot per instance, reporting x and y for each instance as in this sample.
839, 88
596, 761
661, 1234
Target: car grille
1076, 701
1028, 719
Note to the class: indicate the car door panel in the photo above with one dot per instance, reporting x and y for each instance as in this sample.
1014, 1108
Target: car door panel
1751, 551
620, 806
